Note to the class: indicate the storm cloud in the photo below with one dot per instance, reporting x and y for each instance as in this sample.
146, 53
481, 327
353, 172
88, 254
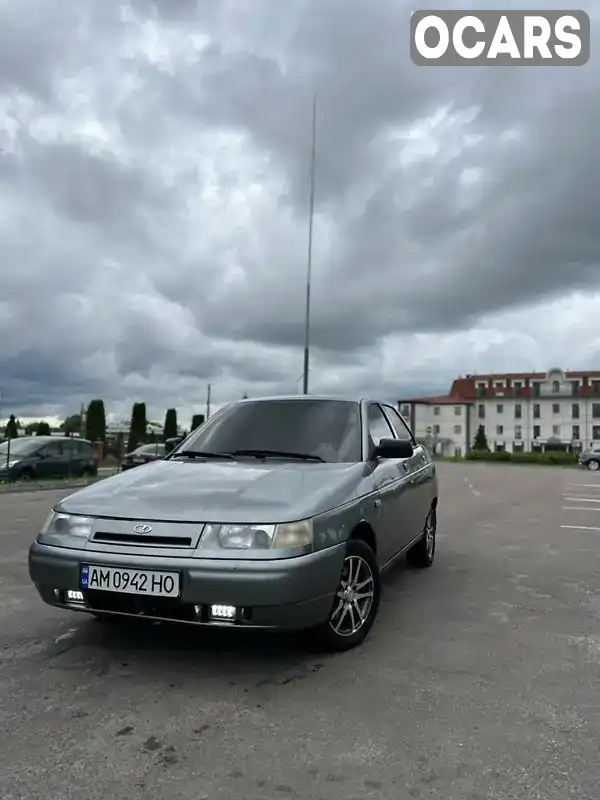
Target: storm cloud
154, 196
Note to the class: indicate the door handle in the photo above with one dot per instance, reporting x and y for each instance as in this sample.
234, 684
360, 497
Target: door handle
405, 466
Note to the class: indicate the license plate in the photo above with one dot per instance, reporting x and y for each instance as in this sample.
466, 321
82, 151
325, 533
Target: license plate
130, 581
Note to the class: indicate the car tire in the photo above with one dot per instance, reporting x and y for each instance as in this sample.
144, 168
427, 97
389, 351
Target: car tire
26, 475
422, 554
342, 632
593, 465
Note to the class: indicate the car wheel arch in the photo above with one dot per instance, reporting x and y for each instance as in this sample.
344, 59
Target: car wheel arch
365, 533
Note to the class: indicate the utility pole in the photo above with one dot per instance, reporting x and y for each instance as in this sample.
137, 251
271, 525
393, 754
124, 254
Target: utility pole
311, 214
82, 422
208, 401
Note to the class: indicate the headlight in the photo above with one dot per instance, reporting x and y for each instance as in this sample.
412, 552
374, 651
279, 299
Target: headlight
258, 537
66, 530
13, 463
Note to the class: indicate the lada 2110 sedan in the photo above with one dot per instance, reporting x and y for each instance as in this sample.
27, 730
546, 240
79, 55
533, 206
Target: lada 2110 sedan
277, 513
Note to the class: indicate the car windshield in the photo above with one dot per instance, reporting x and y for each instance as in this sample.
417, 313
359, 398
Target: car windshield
328, 430
21, 447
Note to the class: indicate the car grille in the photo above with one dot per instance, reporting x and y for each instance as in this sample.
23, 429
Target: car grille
142, 540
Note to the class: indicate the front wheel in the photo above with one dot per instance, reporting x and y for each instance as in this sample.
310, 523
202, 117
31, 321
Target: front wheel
421, 555
356, 601
593, 465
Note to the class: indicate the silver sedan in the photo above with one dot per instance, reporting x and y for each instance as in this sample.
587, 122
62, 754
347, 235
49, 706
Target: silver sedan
277, 513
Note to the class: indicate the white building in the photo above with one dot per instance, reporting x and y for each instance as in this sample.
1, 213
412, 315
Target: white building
519, 411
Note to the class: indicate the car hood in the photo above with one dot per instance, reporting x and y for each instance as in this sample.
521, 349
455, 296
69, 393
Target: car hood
219, 491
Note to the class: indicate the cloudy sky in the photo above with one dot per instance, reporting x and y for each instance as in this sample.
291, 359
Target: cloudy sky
154, 205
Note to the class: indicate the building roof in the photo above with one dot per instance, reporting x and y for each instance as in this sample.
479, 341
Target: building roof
465, 389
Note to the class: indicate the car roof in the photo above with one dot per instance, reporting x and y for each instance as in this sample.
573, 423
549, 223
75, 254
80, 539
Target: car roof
45, 438
305, 397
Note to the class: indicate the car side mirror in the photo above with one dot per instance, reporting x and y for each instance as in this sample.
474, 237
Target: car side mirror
393, 448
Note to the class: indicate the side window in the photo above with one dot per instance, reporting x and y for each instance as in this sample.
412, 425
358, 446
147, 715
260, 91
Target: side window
53, 449
378, 424
400, 427
84, 449
69, 448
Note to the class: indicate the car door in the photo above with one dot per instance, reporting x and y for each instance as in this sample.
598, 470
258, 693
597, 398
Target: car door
422, 469
392, 478
51, 461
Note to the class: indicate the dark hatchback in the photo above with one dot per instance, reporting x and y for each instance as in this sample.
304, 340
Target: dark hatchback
143, 454
32, 457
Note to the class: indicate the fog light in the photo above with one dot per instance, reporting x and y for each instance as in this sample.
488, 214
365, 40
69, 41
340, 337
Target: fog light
74, 597
223, 612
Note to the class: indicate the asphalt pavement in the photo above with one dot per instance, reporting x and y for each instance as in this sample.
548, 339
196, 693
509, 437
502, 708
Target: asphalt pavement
480, 680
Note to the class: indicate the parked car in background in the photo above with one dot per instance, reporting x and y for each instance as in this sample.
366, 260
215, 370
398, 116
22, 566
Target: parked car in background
31, 457
277, 513
143, 454
171, 444
590, 458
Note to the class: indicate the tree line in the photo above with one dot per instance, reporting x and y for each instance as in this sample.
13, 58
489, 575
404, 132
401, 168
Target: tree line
92, 425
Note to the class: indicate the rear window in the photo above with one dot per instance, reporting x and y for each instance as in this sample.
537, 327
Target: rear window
154, 449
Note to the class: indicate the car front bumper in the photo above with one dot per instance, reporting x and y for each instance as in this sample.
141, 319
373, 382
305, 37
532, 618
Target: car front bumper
288, 594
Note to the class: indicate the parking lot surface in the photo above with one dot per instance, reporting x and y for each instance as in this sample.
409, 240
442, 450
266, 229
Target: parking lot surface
480, 680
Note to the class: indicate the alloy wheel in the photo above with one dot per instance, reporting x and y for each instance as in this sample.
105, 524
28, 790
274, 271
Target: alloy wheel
593, 465
354, 597
430, 534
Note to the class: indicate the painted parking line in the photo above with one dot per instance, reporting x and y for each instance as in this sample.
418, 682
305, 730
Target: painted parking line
582, 499
580, 527
580, 508
582, 485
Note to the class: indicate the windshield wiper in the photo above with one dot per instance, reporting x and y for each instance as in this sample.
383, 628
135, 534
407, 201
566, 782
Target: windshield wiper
276, 454
201, 454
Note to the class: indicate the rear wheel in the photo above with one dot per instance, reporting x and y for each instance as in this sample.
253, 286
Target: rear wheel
421, 555
593, 465
356, 601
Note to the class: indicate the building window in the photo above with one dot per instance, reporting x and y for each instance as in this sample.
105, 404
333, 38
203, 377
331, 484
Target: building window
536, 389
499, 448
499, 430
518, 388
518, 448
536, 411
405, 411
575, 411
518, 432
555, 408
436, 411
575, 388
576, 432
596, 432
536, 431
457, 452
436, 429
481, 412
595, 387
556, 387
556, 430
499, 409
518, 411
457, 429
457, 411
596, 410
481, 390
